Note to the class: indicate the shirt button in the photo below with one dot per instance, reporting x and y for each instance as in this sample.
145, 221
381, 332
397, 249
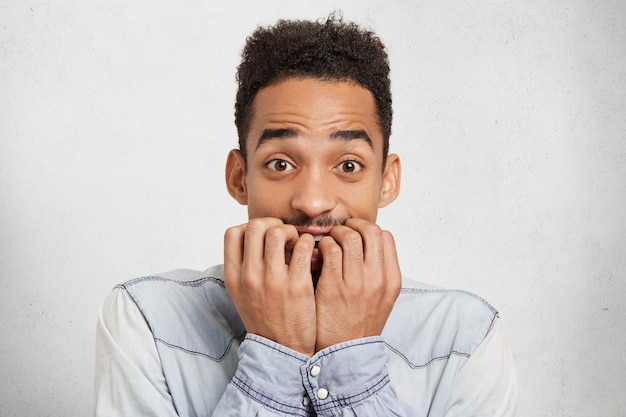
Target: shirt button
315, 370
306, 401
322, 393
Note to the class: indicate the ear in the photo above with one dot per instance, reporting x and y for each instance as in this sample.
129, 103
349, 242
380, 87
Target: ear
391, 181
236, 176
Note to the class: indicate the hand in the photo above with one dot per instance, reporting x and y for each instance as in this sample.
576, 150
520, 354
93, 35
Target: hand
274, 300
359, 282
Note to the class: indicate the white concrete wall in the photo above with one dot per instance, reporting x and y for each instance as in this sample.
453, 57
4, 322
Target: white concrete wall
116, 116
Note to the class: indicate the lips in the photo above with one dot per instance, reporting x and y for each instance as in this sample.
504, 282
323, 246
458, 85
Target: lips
317, 232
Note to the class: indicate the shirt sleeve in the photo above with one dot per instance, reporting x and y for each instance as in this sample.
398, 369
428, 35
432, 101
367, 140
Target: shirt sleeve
348, 379
129, 379
486, 384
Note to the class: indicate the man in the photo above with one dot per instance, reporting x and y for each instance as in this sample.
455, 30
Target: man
309, 314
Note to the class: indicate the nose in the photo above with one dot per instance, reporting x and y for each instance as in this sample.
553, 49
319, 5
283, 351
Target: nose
314, 195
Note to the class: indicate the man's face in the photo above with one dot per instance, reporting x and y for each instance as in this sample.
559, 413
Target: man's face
314, 156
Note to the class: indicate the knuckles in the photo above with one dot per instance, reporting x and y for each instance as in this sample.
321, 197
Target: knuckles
260, 225
274, 237
352, 238
330, 248
256, 226
388, 238
302, 250
373, 230
233, 233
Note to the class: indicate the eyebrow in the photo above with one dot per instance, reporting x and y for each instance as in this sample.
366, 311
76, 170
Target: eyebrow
268, 134
339, 135
346, 135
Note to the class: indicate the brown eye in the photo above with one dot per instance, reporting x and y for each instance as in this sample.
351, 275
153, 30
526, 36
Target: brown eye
279, 165
350, 167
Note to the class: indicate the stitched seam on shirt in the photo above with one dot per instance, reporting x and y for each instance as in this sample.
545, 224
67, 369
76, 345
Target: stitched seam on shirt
486, 332
156, 339
195, 283
247, 389
123, 287
347, 401
437, 358
193, 352
452, 352
494, 312
443, 290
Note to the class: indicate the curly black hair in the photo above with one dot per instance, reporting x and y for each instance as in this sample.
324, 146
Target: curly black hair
330, 50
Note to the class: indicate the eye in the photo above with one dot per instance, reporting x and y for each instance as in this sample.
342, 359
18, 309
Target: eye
350, 166
279, 165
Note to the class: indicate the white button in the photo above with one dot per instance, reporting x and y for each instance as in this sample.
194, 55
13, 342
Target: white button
322, 393
306, 401
315, 370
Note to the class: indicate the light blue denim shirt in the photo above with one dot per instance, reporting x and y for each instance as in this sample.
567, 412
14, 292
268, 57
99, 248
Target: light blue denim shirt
174, 345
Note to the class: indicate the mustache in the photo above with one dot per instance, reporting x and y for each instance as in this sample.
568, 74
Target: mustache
322, 221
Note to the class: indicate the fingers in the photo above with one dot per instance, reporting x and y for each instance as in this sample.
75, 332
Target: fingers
380, 258
269, 243
249, 249
257, 237
356, 245
268, 277
267, 270
371, 235
332, 255
301, 253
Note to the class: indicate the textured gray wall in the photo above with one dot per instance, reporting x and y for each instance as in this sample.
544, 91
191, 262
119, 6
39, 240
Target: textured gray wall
115, 120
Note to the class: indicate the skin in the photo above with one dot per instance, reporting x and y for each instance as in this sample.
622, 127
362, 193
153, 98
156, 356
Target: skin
314, 168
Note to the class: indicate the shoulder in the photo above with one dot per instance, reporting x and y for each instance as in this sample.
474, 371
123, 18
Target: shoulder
430, 323
444, 300
188, 310
180, 291
178, 278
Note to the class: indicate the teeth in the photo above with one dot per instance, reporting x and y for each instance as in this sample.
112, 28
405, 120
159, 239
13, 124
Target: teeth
318, 237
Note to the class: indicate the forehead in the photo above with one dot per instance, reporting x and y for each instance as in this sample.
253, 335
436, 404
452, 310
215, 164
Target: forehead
314, 108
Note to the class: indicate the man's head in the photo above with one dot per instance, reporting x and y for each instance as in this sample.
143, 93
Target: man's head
314, 118
328, 51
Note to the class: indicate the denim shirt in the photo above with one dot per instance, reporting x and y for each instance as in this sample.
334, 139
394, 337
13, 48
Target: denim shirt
174, 345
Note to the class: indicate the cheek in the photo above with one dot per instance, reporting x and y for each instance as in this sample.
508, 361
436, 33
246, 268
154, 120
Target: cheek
362, 204
266, 203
